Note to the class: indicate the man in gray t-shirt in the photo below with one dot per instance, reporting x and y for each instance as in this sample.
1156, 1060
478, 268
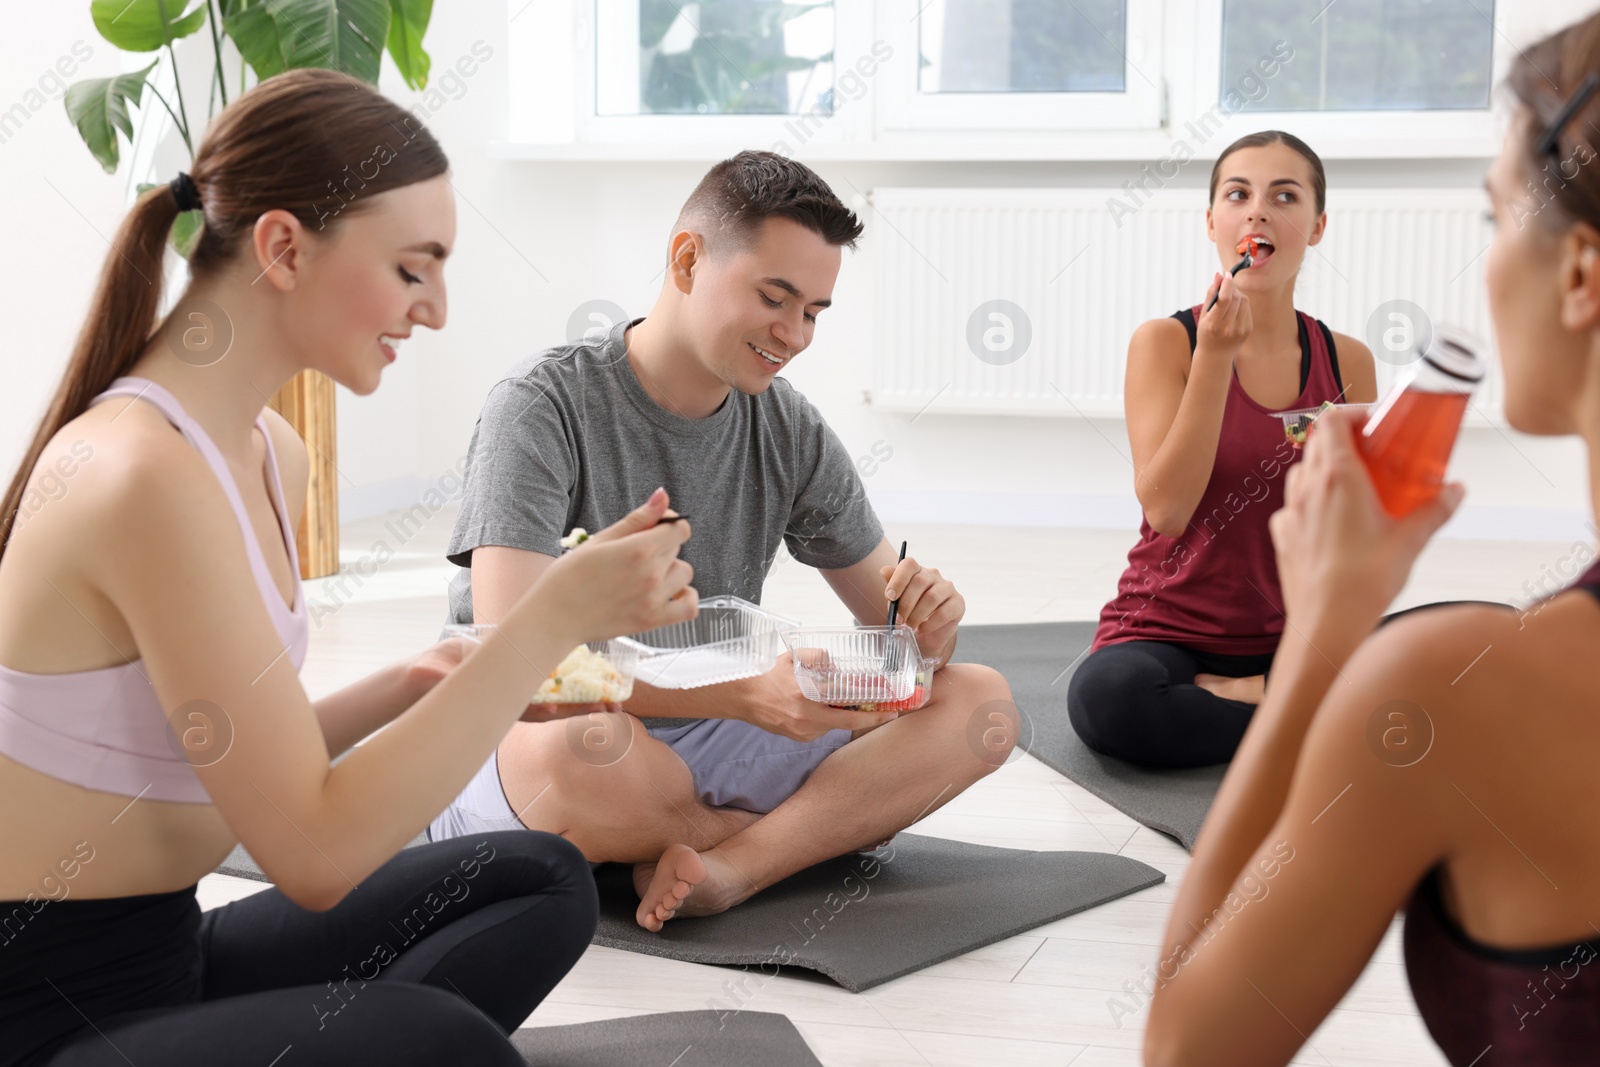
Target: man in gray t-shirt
713, 793
569, 438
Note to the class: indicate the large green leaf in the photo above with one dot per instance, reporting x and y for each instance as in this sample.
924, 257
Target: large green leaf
344, 35
408, 21
145, 25
255, 35
185, 228
99, 108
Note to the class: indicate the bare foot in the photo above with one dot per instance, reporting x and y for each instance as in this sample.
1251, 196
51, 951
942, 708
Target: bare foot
684, 883
1249, 690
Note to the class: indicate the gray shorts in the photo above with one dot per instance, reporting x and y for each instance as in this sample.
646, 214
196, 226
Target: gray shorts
734, 764
481, 806
738, 765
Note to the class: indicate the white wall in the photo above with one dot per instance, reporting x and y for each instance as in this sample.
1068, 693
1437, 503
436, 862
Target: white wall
536, 240
56, 198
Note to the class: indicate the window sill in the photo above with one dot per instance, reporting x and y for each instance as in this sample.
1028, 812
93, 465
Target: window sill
1061, 147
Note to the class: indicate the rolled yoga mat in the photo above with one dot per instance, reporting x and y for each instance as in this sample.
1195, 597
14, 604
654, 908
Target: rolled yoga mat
679, 1038
864, 918
1038, 659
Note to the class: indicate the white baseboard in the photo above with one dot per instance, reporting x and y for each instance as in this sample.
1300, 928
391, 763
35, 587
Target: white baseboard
1474, 522
1481, 522
365, 501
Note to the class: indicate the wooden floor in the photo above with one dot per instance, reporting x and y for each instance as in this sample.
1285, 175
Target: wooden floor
1043, 998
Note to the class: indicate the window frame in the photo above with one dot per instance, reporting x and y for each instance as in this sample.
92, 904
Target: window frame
1442, 132
554, 64
904, 107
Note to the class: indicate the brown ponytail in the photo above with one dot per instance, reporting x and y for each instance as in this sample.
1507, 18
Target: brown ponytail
316, 143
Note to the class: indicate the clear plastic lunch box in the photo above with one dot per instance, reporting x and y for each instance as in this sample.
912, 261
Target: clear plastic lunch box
861, 666
623, 655
728, 640
1297, 423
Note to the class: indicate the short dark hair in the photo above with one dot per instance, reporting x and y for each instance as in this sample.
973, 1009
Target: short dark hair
1319, 176
737, 195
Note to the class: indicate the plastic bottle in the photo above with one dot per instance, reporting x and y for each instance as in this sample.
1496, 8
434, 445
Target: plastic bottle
1407, 440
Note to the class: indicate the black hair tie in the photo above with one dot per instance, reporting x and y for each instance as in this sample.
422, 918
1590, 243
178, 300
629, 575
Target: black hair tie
185, 192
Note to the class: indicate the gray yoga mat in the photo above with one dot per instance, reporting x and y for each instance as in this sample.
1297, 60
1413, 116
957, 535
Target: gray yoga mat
681, 1038
1038, 659
865, 918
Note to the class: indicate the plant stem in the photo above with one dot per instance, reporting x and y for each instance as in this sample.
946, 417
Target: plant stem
177, 83
216, 47
177, 86
175, 120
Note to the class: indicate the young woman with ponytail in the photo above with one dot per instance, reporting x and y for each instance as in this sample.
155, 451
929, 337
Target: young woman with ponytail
1180, 658
152, 625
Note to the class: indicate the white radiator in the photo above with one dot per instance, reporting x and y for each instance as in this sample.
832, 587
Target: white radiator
1083, 283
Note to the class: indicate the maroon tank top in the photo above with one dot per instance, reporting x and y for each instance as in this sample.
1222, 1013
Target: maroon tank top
1215, 588
1495, 1007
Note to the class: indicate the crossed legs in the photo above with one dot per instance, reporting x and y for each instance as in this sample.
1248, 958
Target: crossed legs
623, 796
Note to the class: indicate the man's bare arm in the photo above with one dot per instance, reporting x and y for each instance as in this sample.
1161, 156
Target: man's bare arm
929, 603
500, 576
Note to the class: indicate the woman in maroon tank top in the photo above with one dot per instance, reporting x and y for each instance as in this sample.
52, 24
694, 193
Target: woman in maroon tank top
1444, 765
1179, 659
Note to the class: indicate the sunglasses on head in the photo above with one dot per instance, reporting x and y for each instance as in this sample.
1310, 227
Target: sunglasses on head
1549, 140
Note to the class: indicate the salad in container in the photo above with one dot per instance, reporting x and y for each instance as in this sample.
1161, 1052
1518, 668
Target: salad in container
600, 672
869, 668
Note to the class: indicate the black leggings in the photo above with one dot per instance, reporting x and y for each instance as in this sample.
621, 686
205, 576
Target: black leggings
435, 958
1137, 701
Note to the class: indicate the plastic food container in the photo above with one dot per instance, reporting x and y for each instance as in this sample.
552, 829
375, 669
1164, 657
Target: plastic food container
600, 672
728, 640
866, 667
1297, 423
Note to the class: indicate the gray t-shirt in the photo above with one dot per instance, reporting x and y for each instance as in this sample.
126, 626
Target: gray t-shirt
570, 438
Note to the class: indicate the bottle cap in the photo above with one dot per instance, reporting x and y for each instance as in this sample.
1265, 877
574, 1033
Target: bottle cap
1457, 354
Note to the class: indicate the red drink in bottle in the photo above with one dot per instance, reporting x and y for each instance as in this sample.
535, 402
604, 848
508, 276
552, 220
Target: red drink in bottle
1406, 443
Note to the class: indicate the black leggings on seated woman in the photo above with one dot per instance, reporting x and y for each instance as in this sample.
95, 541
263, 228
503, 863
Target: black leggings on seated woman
1137, 701
434, 958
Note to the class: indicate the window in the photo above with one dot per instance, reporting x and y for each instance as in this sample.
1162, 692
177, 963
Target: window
994, 79
1025, 46
1366, 55
714, 57
1027, 64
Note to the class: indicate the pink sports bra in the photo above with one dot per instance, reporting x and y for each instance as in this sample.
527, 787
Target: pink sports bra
104, 729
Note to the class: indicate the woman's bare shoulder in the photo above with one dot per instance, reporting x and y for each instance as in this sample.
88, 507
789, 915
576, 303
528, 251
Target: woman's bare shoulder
1501, 686
1165, 334
130, 469
1420, 694
1357, 369
1159, 347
